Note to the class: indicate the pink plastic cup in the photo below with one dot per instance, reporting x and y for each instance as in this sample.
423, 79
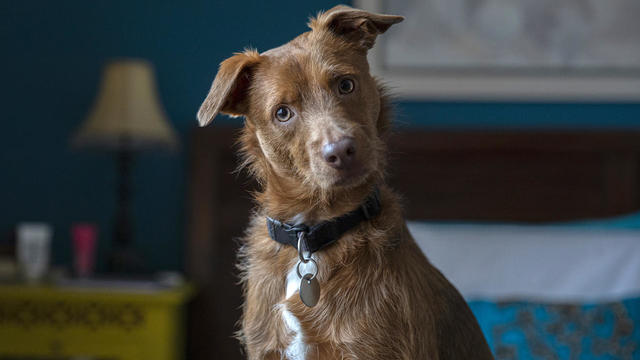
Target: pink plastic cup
84, 237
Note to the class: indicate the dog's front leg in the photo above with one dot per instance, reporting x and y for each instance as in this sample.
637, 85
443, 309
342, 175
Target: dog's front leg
262, 333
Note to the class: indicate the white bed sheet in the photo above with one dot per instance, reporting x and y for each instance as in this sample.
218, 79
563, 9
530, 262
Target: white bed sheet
541, 263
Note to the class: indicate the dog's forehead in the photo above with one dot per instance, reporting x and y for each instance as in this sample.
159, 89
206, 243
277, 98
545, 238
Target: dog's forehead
305, 53
298, 46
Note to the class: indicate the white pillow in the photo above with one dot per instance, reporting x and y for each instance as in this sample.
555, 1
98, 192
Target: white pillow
529, 262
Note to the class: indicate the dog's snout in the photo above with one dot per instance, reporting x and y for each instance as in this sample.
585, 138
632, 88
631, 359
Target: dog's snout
340, 154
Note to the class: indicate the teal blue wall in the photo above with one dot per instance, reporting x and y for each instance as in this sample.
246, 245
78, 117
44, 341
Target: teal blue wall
519, 116
53, 52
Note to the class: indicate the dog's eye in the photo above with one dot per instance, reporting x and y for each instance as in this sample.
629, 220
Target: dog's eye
283, 113
346, 86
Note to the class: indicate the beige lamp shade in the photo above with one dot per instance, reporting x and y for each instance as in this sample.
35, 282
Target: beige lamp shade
127, 112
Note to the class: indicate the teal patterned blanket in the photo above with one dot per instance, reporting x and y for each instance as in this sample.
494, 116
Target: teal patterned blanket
527, 330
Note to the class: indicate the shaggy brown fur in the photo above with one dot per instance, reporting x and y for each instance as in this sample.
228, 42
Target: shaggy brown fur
381, 299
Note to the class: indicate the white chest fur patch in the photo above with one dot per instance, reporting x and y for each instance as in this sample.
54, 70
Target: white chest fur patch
297, 349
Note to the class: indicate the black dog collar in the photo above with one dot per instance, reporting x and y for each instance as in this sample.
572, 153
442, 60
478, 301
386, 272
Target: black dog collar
327, 232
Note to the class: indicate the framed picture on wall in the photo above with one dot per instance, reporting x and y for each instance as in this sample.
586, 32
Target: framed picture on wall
529, 50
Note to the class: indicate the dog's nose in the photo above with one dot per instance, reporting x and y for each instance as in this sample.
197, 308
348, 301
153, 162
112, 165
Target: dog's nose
340, 154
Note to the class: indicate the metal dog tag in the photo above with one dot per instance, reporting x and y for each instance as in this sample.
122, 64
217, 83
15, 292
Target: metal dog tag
309, 290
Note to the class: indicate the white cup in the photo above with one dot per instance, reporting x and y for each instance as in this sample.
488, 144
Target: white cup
33, 248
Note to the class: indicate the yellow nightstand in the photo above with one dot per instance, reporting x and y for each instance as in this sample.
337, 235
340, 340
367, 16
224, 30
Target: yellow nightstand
144, 323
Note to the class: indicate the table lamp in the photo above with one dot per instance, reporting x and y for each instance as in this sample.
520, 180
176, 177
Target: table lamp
126, 117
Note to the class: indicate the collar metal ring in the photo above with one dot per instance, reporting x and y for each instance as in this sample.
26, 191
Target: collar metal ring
314, 273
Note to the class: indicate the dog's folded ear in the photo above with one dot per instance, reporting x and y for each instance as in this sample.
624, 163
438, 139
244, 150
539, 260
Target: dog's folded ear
355, 25
228, 93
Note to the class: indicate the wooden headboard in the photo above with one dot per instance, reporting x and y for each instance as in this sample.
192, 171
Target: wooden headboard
495, 176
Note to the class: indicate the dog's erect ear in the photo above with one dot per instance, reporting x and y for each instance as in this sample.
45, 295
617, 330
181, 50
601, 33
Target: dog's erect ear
228, 93
355, 25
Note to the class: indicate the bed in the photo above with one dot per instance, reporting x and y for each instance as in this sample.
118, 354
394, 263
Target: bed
449, 180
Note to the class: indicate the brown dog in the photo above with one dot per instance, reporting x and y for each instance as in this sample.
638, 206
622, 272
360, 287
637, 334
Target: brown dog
315, 120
